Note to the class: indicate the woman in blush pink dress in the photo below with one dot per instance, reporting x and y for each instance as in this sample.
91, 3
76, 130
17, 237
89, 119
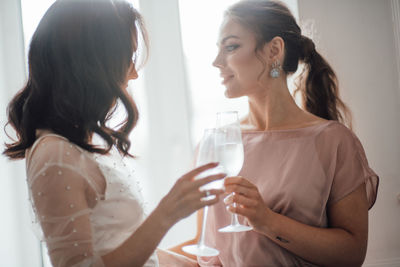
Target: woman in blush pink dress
305, 186
86, 200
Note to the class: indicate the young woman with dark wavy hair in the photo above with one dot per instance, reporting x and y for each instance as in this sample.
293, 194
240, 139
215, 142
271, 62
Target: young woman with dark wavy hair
305, 186
86, 201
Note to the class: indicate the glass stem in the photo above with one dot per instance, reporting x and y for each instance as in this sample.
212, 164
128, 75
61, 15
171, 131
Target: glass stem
234, 219
203, 227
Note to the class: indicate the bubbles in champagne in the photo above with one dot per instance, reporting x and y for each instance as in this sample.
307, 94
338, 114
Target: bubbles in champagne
231, 157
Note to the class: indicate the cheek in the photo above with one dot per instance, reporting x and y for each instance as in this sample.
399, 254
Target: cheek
247, 67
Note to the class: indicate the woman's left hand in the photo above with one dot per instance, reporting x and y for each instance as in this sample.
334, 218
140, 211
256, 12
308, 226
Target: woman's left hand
248, 200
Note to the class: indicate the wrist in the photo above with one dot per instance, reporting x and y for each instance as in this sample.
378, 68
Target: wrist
163, 217
269, 225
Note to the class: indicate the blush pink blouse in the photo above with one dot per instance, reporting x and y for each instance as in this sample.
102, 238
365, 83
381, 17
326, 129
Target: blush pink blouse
299, 173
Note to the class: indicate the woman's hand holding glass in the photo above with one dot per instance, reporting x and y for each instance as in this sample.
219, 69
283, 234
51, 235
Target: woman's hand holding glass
247, 202
185, 197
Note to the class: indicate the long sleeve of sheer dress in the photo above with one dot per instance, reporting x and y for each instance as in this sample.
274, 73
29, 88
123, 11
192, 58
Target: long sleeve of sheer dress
63, 195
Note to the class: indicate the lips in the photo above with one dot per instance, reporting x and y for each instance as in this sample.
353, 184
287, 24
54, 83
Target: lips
226, 78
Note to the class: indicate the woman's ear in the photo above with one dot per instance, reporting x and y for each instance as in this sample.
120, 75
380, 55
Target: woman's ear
275, 49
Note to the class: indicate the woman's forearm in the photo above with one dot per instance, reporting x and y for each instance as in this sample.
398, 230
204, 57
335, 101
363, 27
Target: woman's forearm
343, 243
182, 200
137, 249
323, 246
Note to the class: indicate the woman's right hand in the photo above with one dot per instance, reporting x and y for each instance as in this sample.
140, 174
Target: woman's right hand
185, 196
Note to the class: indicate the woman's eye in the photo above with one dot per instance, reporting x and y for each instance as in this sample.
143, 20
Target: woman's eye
230, 48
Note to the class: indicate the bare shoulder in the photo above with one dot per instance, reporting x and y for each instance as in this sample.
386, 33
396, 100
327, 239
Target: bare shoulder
308, 119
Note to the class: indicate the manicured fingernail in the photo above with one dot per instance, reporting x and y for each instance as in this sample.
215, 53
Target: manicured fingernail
226, 199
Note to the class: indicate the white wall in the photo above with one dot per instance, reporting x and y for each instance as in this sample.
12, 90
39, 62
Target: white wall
357, 39
18, 246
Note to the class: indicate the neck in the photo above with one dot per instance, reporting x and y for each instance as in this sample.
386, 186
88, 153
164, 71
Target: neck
273, 108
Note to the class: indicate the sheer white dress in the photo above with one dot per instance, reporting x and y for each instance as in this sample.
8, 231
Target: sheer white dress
85, 205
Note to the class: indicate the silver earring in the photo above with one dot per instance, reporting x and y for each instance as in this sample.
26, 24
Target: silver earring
276, 69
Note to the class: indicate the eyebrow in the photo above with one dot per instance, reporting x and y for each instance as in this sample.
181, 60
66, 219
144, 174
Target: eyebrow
228, 37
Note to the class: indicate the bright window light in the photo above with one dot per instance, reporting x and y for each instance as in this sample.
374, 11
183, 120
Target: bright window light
200, 21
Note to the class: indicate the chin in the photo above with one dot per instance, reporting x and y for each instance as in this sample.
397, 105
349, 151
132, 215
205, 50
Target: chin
232, 94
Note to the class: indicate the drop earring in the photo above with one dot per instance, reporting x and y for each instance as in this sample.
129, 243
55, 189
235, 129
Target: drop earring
276, 69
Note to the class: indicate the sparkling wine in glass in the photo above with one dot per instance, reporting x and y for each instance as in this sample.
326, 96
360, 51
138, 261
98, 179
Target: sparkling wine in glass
231, 156
207, 153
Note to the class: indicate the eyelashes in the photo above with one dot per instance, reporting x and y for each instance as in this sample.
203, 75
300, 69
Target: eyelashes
230, 48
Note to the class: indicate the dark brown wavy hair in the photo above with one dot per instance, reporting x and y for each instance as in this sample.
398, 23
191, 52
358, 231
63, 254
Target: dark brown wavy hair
79, 58
318, 83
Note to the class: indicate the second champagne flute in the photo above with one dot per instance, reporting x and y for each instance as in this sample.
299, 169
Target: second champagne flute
207, 153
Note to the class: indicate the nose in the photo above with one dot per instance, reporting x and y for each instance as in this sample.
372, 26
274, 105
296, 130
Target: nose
218, 61
133, 75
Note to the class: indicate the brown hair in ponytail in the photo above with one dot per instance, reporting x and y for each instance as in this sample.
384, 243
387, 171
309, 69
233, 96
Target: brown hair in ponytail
319, 86
320, 92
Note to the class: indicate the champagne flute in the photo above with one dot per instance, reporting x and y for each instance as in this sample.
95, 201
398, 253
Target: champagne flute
207, 153
231, 156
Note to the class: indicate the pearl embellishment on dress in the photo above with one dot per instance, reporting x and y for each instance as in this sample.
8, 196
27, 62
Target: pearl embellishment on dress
120, 187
